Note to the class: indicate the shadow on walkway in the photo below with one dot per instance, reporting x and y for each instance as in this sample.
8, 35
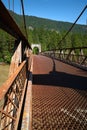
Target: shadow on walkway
61, 79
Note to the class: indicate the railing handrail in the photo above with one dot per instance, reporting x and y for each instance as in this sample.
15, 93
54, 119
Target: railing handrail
4, 88
12, 97
74, 56
67, 48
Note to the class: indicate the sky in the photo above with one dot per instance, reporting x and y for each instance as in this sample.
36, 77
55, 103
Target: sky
59, 10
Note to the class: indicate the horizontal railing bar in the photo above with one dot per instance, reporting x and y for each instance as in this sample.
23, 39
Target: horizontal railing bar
76, 56
68, 48
4, 88
13, 99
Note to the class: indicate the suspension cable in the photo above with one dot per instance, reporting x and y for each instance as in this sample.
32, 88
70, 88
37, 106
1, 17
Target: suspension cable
9, 4
24, 18
73, 24
13, 5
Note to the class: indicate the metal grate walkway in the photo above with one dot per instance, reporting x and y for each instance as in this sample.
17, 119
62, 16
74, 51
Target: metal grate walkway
58, 107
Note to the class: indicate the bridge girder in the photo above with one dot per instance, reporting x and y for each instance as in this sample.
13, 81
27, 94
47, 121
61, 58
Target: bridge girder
9, 25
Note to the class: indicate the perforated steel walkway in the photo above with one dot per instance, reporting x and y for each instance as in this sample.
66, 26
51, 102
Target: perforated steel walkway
59, 96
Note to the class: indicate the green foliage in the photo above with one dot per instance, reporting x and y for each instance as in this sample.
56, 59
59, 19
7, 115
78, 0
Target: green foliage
49, 32
35, 50
6, 47
50, 39
36, 22
46, 32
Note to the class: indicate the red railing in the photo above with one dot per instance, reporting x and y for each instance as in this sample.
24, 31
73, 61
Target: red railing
11, 98
13, 91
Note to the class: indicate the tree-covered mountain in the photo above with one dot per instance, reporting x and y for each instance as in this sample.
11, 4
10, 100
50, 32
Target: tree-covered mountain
47, 32
36, 22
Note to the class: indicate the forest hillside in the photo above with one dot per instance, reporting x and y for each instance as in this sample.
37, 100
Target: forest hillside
46, 32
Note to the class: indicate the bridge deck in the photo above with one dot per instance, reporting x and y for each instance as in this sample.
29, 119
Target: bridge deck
59, 98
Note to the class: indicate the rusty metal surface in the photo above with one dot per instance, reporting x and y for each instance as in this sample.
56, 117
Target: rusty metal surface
9, 25
76, 56
11, 98
27, 112
62, 105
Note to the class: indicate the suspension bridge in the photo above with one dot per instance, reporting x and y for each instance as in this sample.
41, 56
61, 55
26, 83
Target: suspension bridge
46, 91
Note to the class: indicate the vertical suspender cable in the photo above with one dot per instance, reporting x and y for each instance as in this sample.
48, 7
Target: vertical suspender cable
73, 24
20, 8
9, 4
13, 5
24, 18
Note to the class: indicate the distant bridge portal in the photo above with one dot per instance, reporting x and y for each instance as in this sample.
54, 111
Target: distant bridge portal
36, 45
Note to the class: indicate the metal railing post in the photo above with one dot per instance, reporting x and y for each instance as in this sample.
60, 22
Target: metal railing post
16, 58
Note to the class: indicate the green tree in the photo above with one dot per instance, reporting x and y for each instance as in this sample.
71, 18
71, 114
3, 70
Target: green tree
35, 50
